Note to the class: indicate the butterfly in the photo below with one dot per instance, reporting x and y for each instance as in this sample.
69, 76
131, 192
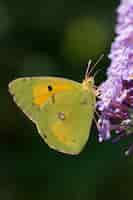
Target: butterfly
61, 109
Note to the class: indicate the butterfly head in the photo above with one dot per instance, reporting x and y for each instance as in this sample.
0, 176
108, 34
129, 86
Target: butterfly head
88, 83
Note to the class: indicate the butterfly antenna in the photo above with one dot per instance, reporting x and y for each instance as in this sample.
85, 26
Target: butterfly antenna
93, 67
95, 74
87, 70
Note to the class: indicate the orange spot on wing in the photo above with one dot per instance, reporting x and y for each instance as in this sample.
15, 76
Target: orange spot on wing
41, 92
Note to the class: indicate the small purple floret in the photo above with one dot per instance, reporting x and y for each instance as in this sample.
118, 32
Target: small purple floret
116, 100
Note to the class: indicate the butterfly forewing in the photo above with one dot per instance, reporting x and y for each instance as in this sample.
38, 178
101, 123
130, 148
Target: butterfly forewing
30, 94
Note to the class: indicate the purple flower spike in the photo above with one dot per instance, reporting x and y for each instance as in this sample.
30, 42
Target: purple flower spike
104, 129
115, 103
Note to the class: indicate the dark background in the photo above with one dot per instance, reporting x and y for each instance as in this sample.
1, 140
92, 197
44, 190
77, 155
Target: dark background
56, 38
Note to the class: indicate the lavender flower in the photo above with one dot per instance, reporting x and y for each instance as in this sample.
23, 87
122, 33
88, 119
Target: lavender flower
116, 100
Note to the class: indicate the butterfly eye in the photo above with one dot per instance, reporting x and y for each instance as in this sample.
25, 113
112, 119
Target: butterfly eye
50, 88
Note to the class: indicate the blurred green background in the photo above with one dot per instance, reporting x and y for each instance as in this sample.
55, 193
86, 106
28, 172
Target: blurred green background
56, 38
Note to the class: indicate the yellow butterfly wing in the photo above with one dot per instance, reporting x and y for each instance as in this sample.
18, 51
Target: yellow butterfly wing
30, 94
60, 108
67, 122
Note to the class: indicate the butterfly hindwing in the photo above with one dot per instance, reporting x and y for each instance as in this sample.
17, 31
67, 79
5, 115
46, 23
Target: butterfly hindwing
67, 121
